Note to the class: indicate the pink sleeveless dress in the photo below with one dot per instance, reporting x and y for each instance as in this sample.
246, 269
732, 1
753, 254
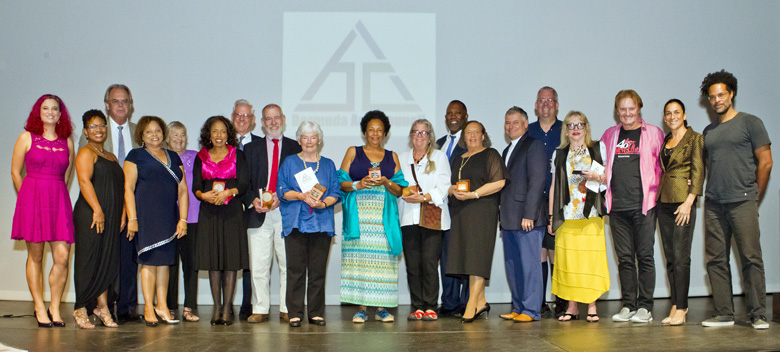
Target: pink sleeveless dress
44, 212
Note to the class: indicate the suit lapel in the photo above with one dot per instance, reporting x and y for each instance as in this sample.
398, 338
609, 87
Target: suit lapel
678, 149
513, 157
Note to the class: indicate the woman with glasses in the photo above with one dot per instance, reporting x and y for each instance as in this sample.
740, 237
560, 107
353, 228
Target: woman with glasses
581, 273
99, 218
682, 181
427, 171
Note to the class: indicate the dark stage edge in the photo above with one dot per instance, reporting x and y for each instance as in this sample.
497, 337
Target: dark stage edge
447, 334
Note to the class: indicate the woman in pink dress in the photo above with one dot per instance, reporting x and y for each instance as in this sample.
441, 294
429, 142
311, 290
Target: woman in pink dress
44, 212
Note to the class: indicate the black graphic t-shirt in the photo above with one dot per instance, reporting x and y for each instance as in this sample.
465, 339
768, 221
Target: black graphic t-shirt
626, 177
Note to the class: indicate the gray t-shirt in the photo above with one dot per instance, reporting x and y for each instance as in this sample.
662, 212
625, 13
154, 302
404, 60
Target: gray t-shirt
731, 160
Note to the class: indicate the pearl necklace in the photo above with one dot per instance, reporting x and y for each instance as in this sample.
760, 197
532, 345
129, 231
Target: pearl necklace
304, 162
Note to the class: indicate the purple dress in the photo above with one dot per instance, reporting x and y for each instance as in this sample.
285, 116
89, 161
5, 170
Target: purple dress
44, 212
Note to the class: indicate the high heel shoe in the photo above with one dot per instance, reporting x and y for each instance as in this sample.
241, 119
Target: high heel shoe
56, 324
41, 325
105, 317
485, 309
166, 321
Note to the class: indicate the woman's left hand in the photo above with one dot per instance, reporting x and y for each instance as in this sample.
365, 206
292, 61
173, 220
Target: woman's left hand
181, 229
683, 214
460, 195
382, 181
591, 176
414, 198
221, 196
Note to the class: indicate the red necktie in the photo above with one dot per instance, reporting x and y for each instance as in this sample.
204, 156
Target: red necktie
274, 166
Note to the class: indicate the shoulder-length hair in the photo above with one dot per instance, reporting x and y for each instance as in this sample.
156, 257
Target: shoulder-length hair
485, 142
205, 132
431, 142
34, 123
565, 130
143, 123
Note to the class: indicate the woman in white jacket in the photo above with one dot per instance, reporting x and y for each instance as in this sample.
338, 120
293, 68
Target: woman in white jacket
428, 172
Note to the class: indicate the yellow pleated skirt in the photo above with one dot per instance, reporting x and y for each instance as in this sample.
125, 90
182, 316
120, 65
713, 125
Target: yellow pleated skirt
581, 271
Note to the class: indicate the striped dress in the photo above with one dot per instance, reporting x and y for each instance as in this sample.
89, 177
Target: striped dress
369, 272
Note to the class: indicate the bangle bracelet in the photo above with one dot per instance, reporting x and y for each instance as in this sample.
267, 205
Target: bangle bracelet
476, 194
185, 220
354, 185
132, 219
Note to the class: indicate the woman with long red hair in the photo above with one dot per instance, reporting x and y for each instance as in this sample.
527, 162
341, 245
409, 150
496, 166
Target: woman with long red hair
43, 208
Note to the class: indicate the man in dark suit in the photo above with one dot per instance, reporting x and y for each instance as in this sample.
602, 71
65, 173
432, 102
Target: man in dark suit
523, 221
264, 225
243, 118
120, 140
455, 291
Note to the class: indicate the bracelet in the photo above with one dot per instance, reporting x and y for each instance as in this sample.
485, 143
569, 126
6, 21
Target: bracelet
354, 185
132, 219
476, 194
185, 220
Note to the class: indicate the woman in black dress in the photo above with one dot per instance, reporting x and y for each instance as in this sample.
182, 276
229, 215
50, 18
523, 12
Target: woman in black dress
219, 178
98, 218
474, 215
154, 181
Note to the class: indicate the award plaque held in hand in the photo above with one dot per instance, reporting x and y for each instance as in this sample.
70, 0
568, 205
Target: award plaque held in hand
267, 198
317, 191
411, 190
463, 186
374, 172
218, 186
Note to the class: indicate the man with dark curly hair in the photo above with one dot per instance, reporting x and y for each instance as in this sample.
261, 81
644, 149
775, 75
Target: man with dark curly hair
739, 160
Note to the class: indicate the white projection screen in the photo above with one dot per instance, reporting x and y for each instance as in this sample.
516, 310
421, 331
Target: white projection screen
330, 62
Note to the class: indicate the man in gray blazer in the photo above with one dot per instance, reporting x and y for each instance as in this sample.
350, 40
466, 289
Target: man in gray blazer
120, 140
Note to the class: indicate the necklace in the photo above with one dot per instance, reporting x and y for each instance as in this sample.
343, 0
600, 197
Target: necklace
101, 153
462, 164
304, 162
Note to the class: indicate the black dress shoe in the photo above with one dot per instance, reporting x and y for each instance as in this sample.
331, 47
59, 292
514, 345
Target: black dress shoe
129, 318
42, 325
318, 322
244, 313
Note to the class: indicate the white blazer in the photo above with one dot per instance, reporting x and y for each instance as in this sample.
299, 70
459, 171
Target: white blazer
436, 183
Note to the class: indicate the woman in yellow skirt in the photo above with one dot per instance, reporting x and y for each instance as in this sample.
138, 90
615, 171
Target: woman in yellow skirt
576, 211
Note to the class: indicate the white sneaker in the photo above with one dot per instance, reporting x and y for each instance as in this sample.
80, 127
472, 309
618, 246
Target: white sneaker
719, 321
759, 322
624, 315
642, 316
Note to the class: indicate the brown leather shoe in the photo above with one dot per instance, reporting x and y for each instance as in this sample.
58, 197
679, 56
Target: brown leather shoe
284, 317
523, 318
257, 318
510, 316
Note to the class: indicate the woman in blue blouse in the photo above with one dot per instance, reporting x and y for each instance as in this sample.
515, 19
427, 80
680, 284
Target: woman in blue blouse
307, 223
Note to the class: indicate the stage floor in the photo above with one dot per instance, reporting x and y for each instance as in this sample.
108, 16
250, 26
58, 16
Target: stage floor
446, 334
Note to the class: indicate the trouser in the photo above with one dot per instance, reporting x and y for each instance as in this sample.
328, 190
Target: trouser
633, 236
128, 276
676, 241
185, 249
309, 260
454, 290
740, 221
265, 243
422, 250
522, 261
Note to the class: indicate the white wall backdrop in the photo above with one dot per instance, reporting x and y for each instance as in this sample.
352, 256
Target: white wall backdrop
332, 61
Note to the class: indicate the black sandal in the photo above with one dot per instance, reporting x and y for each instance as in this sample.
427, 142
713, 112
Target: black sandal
570, 317
591, 320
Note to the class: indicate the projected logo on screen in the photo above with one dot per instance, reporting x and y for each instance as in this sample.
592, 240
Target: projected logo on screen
338, 66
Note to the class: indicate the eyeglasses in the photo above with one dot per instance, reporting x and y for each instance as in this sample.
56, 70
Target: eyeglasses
243, 115
719, 96
95, 126
548, 100
419, 133
575, 126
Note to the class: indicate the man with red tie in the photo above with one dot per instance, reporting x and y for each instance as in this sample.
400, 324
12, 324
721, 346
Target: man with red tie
264, 225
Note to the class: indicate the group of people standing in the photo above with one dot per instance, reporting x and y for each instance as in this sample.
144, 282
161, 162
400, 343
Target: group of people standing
243, 200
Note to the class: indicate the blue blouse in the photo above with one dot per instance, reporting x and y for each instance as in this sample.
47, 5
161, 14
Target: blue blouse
296, 214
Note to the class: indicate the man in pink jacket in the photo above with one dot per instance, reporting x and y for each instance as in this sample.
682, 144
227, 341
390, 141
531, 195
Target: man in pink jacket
633, 172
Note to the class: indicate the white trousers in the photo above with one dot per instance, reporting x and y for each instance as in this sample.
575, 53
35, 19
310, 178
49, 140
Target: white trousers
264, 242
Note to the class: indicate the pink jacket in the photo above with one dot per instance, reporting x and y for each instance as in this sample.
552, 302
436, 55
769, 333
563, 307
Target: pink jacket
650, 143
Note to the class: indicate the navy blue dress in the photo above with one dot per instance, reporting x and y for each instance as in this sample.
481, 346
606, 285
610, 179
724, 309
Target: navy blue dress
156, 205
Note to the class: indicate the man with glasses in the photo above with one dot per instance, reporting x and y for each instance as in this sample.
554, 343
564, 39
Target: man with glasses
120, 140
264, 225
523, 216
547, 129
633, 172
243, 118
739, 161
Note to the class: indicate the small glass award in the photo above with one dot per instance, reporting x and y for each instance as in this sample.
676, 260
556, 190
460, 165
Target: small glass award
375, 172
267, 198
463, 186
317, 191
411, 190
218, 186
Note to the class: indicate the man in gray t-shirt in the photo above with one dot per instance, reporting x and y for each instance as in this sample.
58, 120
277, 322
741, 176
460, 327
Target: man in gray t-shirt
739, 160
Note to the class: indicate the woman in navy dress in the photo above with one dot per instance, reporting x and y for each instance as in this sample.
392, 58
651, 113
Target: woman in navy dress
154, 183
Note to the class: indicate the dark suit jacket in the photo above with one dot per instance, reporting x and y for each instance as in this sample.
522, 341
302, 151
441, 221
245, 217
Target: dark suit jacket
254, 138
686, 163
456, 150
522, 196
257, 155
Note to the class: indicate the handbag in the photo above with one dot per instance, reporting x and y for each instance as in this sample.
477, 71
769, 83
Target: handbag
430, 214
